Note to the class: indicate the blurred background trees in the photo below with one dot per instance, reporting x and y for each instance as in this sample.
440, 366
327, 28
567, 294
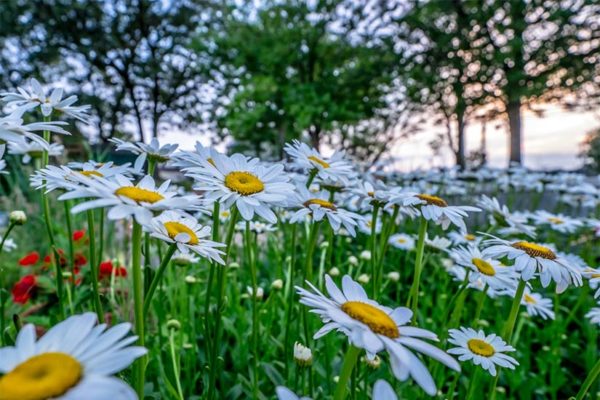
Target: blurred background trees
336, 73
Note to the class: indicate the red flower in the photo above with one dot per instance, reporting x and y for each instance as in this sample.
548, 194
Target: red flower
63, 260
78, 235
107, 269
30, 259
23, 289
80, 260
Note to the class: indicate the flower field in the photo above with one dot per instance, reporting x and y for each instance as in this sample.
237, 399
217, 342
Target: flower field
306, 277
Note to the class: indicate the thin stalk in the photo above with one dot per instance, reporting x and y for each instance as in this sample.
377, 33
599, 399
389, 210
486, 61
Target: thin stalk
480, 302
474, 383
94, 266
175, 363
67, 206
138, 300
289, 304
414, 292
589, 380
157, 277
255, 326
350, 360
5, 236
211, 275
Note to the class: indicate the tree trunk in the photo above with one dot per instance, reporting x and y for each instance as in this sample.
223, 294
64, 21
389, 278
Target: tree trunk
460, 151
315, 137
514, 123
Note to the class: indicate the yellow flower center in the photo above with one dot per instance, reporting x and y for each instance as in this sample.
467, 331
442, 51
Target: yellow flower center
371, 194
139, 195
481, 348
556, 221
174, 228
484, 267
470, 237
45, 376
535, 250
91, 173
529, 299
595, 276
377, 320
322, 203
317, 160
401, 240
432, 200
244, 183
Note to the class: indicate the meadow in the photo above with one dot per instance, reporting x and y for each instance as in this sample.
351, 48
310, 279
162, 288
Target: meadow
307, 277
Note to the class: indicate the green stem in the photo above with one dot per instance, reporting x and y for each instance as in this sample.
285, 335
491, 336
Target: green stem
480, 302
589, 380
157, 277
289, 306
94, 266
5, 236
138, 299
255, 326
67, 206
175, 363
221, 278
349, 362
474, 383
211, 275
414, 292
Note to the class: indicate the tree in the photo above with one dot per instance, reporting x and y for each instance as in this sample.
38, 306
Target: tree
537, 51
129, 59
293, 69
590, 151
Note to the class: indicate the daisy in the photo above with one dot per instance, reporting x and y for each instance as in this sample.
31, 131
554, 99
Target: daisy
12, 128
27, 100
334, 168
126, 199
152, 151
252, 187
317, 206
374, 328
365, 225
434, 208
484, 268
531, 258
34, 149
537, 305
284, 393
184, 231
558, 222
438, 243
594, 315
365, 193
462, 238
75, 359
382, 390
501, 215
183, 259
402, 241
487, 351
196, 158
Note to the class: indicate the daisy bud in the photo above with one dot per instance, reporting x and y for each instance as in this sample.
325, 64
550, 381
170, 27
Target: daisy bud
234, 265
375, 363
363, 278
66, 275
334, 272
173, 324
394, 276
365, 255
277, 284
18, 217
191, 279
353, 260
324, 245
187, 346
259, 292
302, 355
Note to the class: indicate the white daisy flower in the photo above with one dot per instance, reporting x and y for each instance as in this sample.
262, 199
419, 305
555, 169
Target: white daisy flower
302, 355
185, 231
317, 206
462, 238
184, 259
365, 193
536, 305
252, 187
27, 100
126, 199
284, 393
402, 241
12, 128
487, 351
531, 258
501, 215
365, 225
382, 390
485, 268
374, 328
438, 243
334, 168
9, 245
434, 208
75, 359
196, 158
256, 227
152, 151
66, 177
558, 222
594, 315
34, 149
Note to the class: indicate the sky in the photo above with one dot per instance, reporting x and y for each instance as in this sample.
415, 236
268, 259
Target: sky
550, 142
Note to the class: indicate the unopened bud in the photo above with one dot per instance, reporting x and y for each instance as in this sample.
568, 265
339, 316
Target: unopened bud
18, 217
